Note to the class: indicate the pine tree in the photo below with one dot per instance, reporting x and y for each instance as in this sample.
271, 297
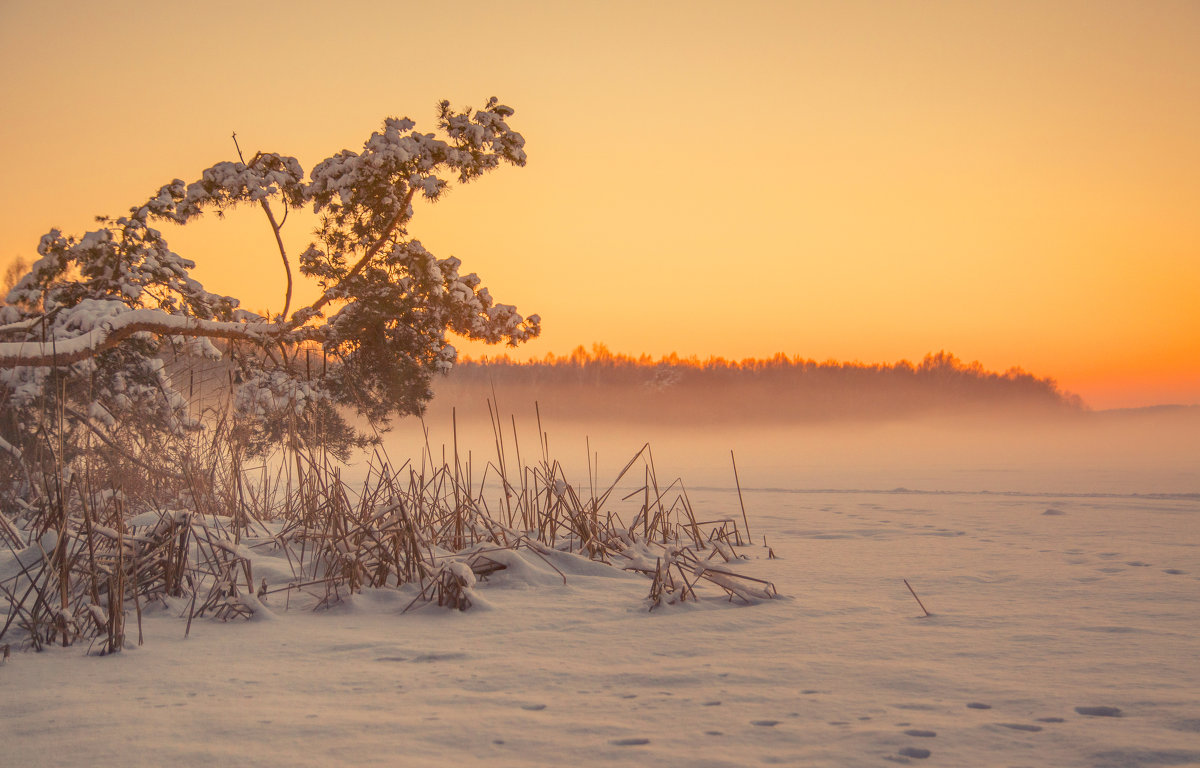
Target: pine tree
84, 334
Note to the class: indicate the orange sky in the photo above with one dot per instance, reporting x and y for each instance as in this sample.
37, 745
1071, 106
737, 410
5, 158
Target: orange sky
1015, 182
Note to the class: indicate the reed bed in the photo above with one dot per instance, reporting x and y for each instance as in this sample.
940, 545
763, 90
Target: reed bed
84, 559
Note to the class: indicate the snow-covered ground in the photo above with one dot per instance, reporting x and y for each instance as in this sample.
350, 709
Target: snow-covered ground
1064, 633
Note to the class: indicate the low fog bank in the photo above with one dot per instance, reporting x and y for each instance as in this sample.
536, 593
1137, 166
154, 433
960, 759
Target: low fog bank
613, 388
939, 426
1145, 451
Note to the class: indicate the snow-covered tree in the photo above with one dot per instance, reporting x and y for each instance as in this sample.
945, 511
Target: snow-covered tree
84, 335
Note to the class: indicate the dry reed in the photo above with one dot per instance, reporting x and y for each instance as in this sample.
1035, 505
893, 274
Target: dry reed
99, 542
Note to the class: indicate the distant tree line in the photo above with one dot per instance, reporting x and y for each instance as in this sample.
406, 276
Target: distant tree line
599, 383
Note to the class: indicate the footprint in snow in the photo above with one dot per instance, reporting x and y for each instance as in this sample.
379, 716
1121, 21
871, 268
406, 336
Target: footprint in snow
978, 705
1051, 720
629, 742
533, 707
765, 723
1022, 727
1099, 711
916, 752
1174, 572
920, 734
429, 658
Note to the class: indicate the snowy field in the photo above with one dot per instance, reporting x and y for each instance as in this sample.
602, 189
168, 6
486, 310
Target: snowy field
1064, 632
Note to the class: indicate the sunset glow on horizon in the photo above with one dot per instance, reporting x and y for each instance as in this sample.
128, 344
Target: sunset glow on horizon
1016, 183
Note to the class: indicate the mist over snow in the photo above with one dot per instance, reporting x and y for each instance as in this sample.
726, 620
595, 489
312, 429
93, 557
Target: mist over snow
1139, 452
797, 424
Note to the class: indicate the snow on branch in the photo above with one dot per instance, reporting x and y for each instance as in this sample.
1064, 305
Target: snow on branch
109, 332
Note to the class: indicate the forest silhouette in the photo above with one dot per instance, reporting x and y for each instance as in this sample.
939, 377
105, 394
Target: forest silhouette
598, 383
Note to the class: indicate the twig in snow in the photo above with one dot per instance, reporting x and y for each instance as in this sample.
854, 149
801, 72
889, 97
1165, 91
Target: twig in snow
914, 594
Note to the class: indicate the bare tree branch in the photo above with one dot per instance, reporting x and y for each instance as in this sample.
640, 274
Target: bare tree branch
302, 315
275, 227
287, 267
128, 456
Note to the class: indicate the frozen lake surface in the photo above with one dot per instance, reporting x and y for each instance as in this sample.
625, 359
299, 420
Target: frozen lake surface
1064, 632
